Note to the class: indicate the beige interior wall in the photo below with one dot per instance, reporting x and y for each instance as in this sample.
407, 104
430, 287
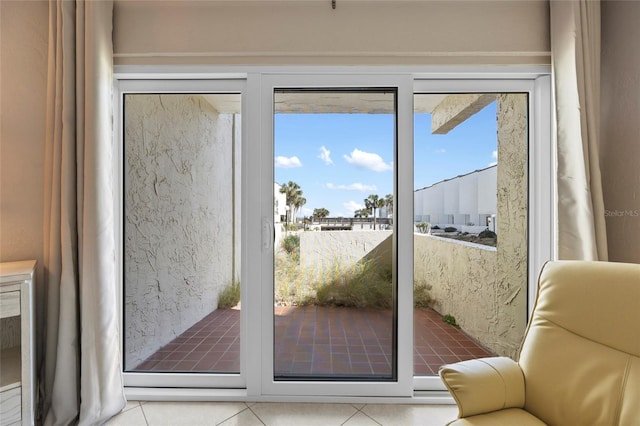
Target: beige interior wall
311, 32
23, 80
359, 28
620, 146
23, 40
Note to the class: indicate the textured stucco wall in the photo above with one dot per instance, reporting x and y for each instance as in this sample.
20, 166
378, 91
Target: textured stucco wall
462, 277
178, 217
512, 266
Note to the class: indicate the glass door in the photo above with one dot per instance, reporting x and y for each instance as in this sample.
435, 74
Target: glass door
332, 283
481, 205
269, 226
181, 280
471, 216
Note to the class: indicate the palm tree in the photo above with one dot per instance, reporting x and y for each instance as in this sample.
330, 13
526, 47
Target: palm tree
368, 205
292, 192
379, 204
297, 204
320, 213
374, 202
361, 213
388, 203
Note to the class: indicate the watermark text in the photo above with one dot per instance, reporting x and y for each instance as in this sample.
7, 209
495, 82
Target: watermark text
622, 213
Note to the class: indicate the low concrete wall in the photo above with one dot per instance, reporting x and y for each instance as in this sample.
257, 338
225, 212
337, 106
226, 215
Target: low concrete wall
323, 249
468, 282
462, 279
465, 279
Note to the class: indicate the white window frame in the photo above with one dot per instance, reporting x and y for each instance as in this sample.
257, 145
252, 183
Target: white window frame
541, 162
122, 87
249, 384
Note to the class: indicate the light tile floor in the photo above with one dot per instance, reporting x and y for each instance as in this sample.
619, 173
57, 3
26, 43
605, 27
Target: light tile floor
281, 414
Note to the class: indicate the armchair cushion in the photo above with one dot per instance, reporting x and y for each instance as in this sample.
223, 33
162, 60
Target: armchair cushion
484, 385
508, 417
579, 360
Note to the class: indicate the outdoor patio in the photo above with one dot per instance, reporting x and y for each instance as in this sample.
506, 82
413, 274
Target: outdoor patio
314, 340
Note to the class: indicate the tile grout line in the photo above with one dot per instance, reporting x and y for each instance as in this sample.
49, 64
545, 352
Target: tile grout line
257, 417
359, 410
238, 413
144, 415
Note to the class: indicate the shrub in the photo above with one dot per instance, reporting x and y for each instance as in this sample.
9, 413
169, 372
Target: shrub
421, 294
487, 234
435, 227
293, 285
423, 227
450, 229
230, 296
367, 284
292, 226
291, 244
450, 319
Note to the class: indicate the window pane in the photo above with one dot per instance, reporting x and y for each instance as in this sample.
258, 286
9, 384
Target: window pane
181, 232
334, 279
470, 243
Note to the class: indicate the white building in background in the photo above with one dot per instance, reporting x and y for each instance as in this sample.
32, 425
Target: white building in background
467, 202
279, 213
279, 204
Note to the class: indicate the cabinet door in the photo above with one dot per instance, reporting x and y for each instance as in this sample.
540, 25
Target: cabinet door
10, 402
17, 360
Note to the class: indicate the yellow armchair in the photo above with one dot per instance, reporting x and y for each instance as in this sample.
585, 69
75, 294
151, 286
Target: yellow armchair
579, 361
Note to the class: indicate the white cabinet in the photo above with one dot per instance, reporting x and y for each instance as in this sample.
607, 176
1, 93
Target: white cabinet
17, 359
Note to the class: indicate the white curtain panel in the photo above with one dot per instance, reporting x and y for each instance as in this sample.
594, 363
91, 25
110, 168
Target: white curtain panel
575, 52
82, 381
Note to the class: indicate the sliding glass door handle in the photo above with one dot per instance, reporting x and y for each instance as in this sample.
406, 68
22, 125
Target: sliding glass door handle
268, 234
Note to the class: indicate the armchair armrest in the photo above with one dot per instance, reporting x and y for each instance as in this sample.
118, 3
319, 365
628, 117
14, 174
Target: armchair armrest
484, 385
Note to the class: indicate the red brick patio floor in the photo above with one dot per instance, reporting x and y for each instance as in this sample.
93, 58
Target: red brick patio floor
314, 341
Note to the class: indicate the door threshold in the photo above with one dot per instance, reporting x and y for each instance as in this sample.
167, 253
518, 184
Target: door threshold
241, 395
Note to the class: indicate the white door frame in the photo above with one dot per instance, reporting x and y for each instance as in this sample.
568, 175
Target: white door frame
255, 382
141, 85
403, 234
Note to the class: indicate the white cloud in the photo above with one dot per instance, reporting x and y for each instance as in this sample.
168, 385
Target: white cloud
288, 162
351, 207
325, 155
441, 151
368, 160
352, 187
494, 154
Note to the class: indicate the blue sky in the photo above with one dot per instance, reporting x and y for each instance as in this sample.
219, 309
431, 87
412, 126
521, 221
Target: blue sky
339, 159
